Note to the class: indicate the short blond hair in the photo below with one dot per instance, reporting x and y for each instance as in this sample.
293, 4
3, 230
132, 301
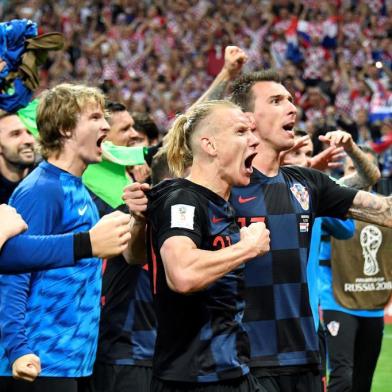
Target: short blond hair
58, 113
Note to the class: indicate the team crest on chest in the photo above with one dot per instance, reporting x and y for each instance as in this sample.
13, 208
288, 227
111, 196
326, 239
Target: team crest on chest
333, 327
301, 194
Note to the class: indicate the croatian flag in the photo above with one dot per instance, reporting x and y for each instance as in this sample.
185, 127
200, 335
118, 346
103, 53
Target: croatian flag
330, 30
293, 52
380, 106
303, 30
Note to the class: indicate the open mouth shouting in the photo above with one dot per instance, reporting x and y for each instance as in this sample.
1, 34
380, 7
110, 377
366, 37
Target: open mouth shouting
248, 163
100, 141
288, 127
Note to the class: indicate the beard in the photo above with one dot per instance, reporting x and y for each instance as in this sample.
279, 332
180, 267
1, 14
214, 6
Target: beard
17, 158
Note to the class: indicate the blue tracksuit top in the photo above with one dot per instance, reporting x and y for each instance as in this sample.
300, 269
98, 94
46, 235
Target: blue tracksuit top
53, 314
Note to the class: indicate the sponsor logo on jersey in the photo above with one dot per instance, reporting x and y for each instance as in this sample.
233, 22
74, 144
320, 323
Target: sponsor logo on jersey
216, 220
243, 200
83, 210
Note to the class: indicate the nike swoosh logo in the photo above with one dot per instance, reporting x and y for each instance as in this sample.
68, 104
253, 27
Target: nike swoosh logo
216, 220
82, 210
243, 200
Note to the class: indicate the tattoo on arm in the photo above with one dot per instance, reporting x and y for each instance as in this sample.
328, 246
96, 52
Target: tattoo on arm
367, 172
217, 92
354, 181
372, 208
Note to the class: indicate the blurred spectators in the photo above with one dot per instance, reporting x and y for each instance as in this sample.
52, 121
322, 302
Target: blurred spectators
159, 56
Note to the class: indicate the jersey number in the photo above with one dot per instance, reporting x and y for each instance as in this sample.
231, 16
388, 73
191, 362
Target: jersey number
221, 242
246, 221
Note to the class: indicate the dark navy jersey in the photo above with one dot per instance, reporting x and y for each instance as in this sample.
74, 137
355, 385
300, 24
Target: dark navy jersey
278, 316
127, 329
6, 189
200, 335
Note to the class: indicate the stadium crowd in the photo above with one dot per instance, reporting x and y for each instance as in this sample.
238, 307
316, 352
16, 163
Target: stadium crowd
158, 56
212, 285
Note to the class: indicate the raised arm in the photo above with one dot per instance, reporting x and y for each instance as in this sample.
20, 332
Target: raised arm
372, 208
367, 172
235, 58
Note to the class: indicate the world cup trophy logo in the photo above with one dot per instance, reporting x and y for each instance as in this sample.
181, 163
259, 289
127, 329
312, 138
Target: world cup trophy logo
370, 238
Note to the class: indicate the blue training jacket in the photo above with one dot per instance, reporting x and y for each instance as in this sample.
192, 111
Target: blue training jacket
53, 314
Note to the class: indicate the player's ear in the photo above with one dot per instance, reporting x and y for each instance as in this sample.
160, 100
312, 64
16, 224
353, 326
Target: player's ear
208, 145
66, 133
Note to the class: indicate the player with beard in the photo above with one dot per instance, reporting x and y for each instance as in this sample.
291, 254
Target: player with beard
17, 154
197, 253
52, 316
278, 317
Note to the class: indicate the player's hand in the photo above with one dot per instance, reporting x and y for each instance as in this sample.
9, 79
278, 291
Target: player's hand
3, 64
110, 236
11, 222
235, 58
330, 158
135, 198
27, 368
141, 172
338, 138
298, 143
256, 237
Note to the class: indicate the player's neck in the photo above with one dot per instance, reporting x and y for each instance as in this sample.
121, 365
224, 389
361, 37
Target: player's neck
209, 179
12, 172
267, 161
67, 161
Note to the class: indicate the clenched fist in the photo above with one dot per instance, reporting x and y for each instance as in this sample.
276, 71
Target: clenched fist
256, 238
235, 58
26, 367
11, 223
135, 198
110, 236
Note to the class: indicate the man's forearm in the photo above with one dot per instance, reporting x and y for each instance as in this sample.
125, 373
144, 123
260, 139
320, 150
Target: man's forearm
189, 270
27, 253
136, 252
372, 208
234, 60
218, 87
339, 228
14, 294
367, 172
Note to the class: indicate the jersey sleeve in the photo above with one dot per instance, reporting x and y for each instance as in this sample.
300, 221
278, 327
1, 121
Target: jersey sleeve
339, 228
41, 207
332, 199
28, 253
181, 214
